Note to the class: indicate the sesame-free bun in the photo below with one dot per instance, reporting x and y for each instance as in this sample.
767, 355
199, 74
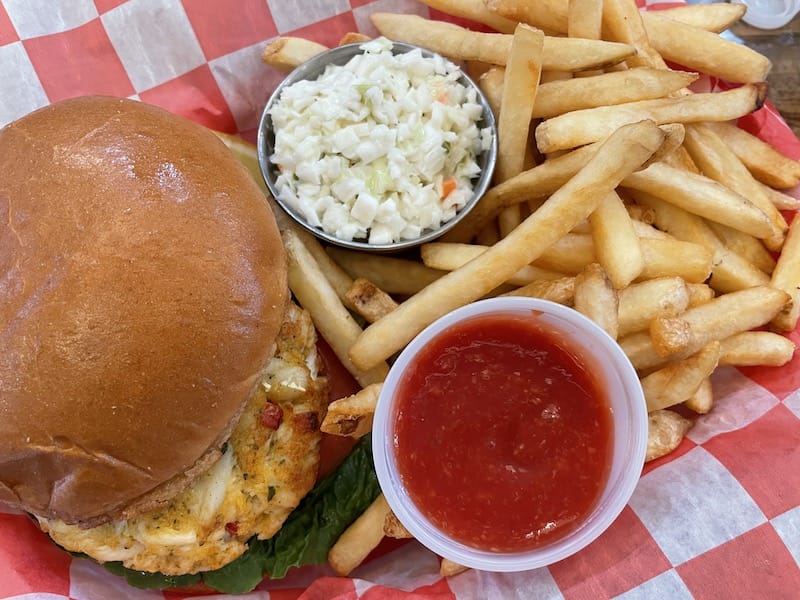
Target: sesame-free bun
142, 285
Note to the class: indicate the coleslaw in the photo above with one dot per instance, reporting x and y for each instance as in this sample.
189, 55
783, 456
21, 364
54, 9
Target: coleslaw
380, 149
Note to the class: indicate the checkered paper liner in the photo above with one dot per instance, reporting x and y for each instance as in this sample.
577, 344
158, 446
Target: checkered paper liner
718, 518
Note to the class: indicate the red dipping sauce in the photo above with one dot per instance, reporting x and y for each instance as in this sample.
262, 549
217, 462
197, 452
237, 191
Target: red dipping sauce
503, 435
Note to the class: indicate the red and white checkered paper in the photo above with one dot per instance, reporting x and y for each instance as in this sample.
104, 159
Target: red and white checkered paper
719, 518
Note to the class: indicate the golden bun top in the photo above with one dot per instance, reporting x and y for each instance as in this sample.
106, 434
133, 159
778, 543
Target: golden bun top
142, 286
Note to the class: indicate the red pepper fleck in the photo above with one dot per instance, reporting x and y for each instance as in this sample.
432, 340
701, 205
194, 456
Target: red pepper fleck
232, 527
271, 416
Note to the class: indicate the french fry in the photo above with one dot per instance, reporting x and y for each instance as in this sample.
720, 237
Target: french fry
780, 200
541, 180
393, 528
457, 43
679, 380
606, 89
622, 22
717, 319
616, 244
666, 430
585, 19
670, 257
744, 245
448, 568
704, 51
640, 303
713, 320
699, 293
591, 124
550, 15
571, 254
702, 400
753, 348
625, 150
556, 290
713, 16
392, 275
786, 276
285, 53
449, 257
491, 84
360, 538
701, 196
474, 10
730, 271
718, 162
520, 85
767, 164
368, 300
331, 318
351, 416
596, 298
353, 37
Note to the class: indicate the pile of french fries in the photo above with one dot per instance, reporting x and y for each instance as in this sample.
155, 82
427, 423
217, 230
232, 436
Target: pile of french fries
618, 191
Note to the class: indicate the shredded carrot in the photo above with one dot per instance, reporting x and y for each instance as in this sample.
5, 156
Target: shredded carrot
448, 185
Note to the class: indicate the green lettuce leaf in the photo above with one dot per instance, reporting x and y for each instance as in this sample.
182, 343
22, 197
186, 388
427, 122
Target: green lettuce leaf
305, 538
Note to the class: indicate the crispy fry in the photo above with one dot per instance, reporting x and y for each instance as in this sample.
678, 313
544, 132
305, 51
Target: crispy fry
449, 257
448, 568
713, 16
596, 298
704, 51
520, 85
779, 199
457, 43
474, 10
585, 19
369, 300
701, 196
352, 415
719, 162
360, 538
571, 254
606, 89
393, 528
285, 53
680, 380
616, 244
767, 164
550, 15
331, 318
623, 151
666, 430
669, 257
556, 290
392, 275
491, 84
752, 348
699, 293
589, 125
717, 319
744, 245
353, 37
730, 271
786, 276
541, 180
702, 400
640, 303
622, 22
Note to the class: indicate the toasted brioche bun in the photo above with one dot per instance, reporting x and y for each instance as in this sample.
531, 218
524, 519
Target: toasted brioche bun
142, 285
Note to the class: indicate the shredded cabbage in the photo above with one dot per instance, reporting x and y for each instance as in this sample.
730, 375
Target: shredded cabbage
380, 149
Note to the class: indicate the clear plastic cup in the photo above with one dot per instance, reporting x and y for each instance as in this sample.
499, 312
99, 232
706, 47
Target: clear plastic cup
629, 433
